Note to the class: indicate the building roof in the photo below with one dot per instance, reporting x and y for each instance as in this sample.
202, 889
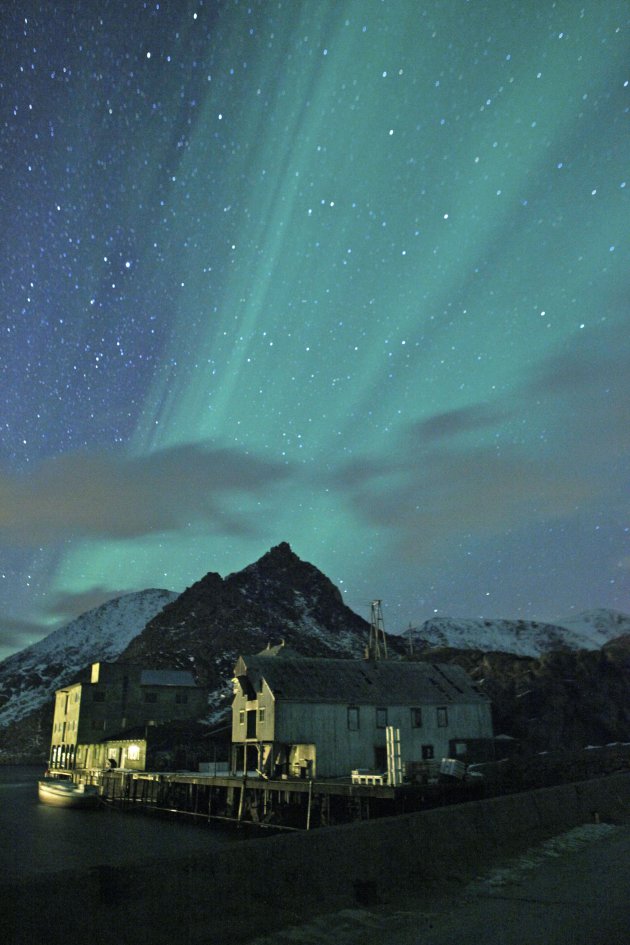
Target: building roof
365, 682
166, 677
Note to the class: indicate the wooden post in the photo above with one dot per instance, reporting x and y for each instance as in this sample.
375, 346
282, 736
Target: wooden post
310, 801
241, 800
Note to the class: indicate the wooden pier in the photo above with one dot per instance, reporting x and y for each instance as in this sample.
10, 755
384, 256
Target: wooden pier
286, 804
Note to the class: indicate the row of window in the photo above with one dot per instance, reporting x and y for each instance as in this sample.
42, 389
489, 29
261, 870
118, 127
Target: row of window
181, 698
381, 717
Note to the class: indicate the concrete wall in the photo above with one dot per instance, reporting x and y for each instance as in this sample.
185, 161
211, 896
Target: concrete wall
244, 888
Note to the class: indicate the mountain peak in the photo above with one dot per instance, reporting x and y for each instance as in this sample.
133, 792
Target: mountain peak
279, 595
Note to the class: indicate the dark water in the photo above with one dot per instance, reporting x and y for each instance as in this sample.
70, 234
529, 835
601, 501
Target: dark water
38, 839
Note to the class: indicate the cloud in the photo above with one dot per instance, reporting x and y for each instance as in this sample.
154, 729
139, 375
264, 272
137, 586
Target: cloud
17, 634
432, 495
111, 495
470, 419
556, 447
585, 386
65, 607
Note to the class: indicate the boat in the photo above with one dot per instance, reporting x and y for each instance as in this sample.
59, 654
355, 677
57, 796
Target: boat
64, 793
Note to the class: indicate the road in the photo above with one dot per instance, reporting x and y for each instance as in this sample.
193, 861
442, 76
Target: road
572, 890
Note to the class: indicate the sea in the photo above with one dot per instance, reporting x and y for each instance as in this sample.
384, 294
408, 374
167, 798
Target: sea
44, 839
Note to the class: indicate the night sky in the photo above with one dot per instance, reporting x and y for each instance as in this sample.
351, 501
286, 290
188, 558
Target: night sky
349, 274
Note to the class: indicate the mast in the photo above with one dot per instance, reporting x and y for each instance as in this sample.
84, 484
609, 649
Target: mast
377, 645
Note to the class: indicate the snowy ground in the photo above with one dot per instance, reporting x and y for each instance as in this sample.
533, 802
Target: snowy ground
570, 889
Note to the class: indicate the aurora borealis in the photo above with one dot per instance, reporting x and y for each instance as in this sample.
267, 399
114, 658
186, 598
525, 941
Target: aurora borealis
349, 274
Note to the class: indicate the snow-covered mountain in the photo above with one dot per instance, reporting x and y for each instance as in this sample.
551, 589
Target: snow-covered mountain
29, 678
588, 631
594, 628
546, 680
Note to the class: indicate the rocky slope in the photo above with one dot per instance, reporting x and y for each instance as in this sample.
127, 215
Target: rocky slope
564, 699
279, 597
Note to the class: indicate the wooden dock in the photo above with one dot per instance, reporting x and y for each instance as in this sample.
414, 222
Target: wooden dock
286, 804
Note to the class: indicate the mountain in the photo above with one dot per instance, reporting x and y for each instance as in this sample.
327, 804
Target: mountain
589, 631
563, 699
562, 684
216, 619
28, 679
596, 628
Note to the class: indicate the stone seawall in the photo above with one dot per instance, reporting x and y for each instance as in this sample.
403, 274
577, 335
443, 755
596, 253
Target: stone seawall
249, 888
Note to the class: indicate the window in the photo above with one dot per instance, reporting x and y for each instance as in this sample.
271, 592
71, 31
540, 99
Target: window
181, 698
460, 748
261, 715
241, 717
150, 697
98, 724
353, 718
381, 718
133, 753
416, 717
98, 695
427, 752
442, 716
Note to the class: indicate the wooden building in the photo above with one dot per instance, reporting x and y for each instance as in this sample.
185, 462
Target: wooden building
302, 717
116, 697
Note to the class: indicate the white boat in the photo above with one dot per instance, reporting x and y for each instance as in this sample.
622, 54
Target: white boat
64, 793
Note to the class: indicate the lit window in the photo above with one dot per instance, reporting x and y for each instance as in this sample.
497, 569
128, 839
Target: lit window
133, 752
442, 717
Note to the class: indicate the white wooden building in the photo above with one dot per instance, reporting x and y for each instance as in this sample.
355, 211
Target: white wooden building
305, 717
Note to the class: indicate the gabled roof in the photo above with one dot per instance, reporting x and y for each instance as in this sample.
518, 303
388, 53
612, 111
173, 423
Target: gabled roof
166, 677
365, 682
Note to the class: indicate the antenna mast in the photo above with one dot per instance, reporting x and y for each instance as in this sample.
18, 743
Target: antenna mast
377, 646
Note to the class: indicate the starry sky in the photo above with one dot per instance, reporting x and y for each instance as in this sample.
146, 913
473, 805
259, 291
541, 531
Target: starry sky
351, 274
